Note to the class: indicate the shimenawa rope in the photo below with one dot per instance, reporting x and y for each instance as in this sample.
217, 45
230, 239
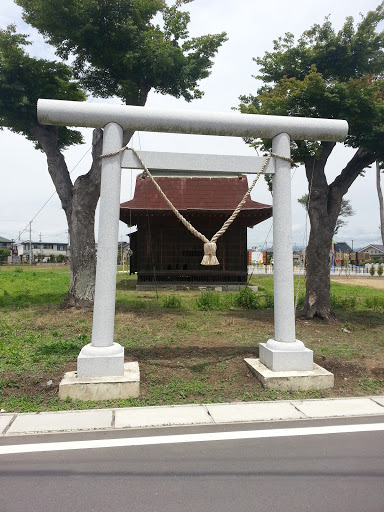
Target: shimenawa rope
210, 246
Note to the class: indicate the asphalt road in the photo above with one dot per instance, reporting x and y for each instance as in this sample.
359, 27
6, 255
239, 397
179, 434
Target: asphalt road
294, 473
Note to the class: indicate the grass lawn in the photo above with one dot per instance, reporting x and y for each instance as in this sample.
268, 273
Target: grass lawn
190, 345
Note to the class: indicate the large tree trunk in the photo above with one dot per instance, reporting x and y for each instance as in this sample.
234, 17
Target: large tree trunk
381, 202
81, 225
79, 201
323, 208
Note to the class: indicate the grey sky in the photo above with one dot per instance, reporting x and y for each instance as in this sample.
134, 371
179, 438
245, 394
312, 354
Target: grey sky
251, 28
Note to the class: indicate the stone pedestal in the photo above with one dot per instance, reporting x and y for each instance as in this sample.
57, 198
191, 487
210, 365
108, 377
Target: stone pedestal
317, 378
102, 388
282, 356
100, 361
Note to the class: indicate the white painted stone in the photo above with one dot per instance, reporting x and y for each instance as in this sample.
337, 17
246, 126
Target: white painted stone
162, 416
255, 411
379, 400
338, 407
130, 117
100, 361
5, 419
63, 421
102, 388
286, 360
182, 164
105, 286
284, 313
318, 378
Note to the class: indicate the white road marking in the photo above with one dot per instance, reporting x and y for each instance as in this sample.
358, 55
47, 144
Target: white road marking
189, 438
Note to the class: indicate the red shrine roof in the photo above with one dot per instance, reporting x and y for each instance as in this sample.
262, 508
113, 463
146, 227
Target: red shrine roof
201, 194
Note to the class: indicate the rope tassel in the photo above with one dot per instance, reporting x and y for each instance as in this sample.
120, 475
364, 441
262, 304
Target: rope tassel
210, 258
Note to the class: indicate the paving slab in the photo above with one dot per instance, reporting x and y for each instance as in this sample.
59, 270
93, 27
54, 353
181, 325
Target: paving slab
4, 421
379, 400
254, 411
338, 407
63, 421
162, 416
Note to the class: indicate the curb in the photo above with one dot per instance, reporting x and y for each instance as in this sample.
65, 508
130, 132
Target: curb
187, 415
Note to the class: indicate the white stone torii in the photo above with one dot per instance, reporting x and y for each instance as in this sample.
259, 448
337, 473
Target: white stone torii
104, 358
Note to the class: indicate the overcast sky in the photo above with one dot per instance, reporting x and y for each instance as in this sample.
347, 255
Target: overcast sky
251, 27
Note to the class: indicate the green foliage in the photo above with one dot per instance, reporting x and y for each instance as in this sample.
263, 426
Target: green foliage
247, 299
380, 269
209, 300
24, 79
171, 301
119, 50
4, 253
372, 269
329, 74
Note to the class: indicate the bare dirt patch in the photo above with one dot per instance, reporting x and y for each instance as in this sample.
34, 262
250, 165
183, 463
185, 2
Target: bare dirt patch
369, 282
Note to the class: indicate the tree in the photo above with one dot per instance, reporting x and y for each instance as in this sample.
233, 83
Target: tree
4, 253
345, 211
380, 196
331, 75
116, 50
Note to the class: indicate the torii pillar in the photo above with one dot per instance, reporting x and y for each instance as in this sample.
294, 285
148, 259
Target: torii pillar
284, 361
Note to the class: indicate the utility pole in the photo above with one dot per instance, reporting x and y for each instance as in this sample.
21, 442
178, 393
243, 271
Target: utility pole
30, 243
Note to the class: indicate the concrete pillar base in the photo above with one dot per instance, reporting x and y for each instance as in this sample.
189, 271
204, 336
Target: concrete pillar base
96, 361
102, 388
283, 356
318, 378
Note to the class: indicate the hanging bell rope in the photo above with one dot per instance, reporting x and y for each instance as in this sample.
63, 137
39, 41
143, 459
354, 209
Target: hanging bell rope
210, 246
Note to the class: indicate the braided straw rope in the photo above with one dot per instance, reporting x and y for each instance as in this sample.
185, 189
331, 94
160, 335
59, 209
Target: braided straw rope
210, 246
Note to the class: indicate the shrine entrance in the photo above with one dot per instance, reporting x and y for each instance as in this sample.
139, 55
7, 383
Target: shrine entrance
101, 363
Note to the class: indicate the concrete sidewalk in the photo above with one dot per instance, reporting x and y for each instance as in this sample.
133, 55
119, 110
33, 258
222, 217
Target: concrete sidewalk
177, 415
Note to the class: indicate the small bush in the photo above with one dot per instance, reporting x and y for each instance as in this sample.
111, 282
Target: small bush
269, 300
345, 302
380, 270
247, 299
372, 270
375, 302
209, 300
171, 301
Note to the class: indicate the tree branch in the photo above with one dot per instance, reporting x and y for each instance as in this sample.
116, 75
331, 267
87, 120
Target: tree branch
47, 137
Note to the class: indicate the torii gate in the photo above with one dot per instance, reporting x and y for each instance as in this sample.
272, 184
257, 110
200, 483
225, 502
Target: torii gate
100, 365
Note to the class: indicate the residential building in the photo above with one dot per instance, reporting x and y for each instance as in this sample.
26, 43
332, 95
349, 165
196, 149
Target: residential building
375, 251
41, 251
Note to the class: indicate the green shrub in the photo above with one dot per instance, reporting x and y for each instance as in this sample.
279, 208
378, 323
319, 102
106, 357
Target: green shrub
372, 270
269, 300
375, 302
247, 299
209, 300
171, 301
380, 270
344, 302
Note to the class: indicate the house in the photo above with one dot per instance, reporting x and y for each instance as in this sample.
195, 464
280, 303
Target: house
341, 254
164, 251
42, 251
7, 245
375, 251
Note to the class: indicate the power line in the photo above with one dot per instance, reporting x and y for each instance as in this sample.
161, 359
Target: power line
50, 197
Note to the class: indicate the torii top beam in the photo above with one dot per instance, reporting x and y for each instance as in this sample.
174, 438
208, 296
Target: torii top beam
96, 115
